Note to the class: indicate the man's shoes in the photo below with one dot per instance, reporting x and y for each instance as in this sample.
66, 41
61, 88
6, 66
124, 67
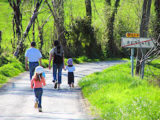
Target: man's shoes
40, 109
55, 85
59, 88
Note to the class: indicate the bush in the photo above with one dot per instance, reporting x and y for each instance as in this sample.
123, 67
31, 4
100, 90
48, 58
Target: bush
3, 79
83, 39
45, 63
10, 67
83, 59
18, 65
9, 70
5, 59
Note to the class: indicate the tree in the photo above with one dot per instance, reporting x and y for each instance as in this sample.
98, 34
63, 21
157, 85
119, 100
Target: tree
88, 10
57, 11
89, 32
40, 29
157, 23
20, 48
17, 20
112, 49
0, 41
143, 33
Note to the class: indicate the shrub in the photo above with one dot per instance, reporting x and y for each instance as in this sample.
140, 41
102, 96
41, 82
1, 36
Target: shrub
5, 59
18, 65
9, 71
3, 79
45, 63
83, 40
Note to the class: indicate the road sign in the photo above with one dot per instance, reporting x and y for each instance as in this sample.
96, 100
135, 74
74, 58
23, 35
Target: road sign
132, 34
137, 42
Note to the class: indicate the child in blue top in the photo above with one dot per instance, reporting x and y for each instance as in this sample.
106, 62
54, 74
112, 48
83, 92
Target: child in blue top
71, 68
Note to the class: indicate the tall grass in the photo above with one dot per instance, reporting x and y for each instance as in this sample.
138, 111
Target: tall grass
118, 96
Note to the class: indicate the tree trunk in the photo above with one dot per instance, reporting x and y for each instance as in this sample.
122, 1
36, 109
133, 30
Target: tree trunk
90, 49
13, 42
0, 42
34, 16
58, 15
17, 19
88, 10
59, 9
20, 47
41, 39
157, 28
143, 33
33, 31
40, 28
112, 49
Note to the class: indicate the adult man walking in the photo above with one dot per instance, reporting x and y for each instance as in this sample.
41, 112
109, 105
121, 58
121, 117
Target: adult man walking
33, 56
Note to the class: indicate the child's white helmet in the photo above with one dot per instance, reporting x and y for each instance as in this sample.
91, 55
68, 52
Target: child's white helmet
39, 69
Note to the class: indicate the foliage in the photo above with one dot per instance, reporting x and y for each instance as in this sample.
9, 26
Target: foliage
3, 79
6, 58
45, 63
127, 19
9, 67
83, 39
18, 65
83, 59
117, 95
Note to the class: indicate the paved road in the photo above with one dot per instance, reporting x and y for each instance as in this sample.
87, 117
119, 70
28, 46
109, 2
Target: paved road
17, 98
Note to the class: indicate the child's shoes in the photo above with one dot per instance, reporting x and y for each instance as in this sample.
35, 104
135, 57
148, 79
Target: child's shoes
36, 105
72, 85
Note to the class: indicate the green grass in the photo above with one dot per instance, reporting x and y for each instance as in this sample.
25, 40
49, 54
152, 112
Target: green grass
83, 59
3, 80
118, 96
11, 67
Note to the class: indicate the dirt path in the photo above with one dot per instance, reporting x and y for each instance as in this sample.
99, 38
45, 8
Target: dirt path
17, 98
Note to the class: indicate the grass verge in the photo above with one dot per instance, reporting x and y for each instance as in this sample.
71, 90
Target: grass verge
10, 68
115, 95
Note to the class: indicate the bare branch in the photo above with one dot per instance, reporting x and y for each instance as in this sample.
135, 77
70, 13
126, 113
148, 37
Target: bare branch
53, 13
10, 3
35, 13
46, 21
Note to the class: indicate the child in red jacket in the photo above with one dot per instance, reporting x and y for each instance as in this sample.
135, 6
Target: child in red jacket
37, 83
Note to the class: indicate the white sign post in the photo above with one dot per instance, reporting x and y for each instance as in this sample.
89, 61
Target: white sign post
136, 43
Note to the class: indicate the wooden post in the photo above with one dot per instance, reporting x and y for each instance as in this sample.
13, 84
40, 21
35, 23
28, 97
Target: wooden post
132, 61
